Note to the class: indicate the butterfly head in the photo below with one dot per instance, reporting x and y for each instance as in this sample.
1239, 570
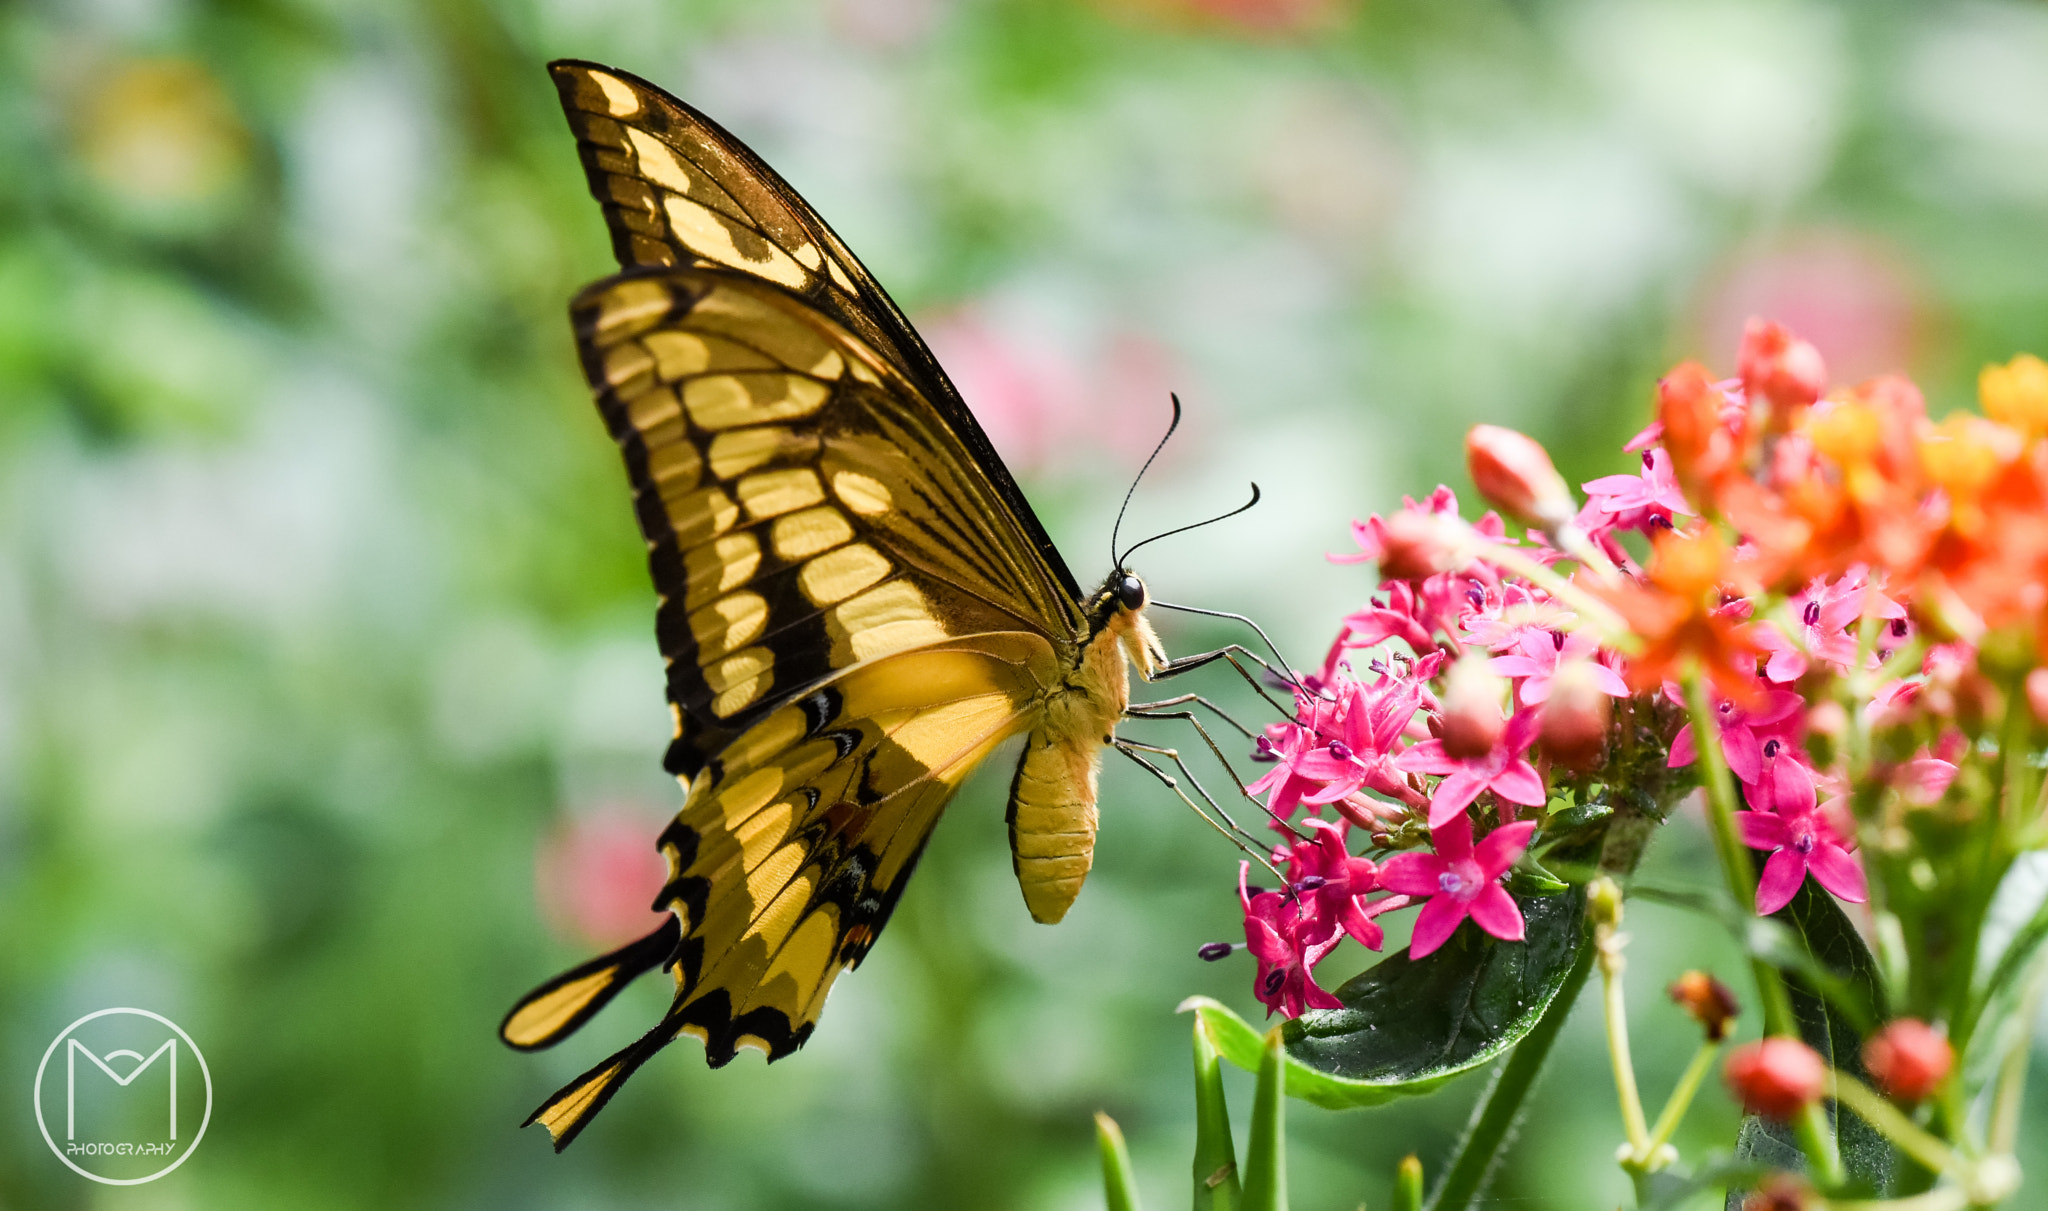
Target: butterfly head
1118, 610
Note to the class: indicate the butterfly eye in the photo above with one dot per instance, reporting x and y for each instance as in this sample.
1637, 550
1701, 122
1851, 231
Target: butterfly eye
1132, 593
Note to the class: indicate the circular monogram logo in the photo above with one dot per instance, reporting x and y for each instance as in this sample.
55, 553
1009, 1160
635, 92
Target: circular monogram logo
123, 1096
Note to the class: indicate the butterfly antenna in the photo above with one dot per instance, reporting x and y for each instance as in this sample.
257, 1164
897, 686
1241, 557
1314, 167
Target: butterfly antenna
1196, 526
1113, 530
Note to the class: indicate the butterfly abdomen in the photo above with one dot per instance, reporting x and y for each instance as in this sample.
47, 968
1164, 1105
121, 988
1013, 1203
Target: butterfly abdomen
1052, 810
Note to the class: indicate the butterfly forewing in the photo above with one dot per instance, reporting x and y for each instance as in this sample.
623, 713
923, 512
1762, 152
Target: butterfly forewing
677, 189
804, 509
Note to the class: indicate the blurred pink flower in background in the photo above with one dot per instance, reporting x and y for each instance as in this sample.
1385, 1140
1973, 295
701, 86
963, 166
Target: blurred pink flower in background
1845, 292
1041, 403
1252, 16
597, 871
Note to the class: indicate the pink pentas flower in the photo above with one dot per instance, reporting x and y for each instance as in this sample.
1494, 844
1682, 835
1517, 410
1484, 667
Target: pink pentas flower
1505, 771
1775, 714
1334, 883
1460, 881
1638, 502
1498, 620
1285, 784
1362, 741
1537, 656
1278, 935
1802, 843
1826, 613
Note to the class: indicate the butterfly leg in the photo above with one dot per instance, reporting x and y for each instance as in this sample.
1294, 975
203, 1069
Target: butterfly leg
1235, 834
1217, 752
1230, 653
1143, 710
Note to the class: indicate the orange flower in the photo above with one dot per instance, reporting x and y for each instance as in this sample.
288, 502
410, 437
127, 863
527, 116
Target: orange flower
2016, 393
1702, 447
1678, 617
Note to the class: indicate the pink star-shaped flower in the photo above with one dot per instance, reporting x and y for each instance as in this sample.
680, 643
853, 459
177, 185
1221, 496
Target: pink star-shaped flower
1460, 881
1639, 502
1335, 884
1277, 933
1826, 612
1802, 843
1504, 771
1776, 713
1361, 741
1537, 656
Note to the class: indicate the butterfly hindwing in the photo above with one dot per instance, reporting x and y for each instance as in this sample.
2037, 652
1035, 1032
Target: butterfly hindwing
795, 844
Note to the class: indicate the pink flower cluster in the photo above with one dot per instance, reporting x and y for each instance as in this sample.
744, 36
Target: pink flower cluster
1473, 684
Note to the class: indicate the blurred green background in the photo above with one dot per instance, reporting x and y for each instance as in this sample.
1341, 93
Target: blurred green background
330, 714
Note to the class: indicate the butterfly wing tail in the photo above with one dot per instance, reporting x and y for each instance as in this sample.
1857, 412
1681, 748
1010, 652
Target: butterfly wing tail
571, 1108
552, 1012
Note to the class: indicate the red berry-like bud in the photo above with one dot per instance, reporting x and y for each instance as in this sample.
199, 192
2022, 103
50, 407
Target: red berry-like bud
1472, 719
1779, 366
1775, 1077
1573, 726
1515, 475
1779, 1192
1708, 1001
1908, 1059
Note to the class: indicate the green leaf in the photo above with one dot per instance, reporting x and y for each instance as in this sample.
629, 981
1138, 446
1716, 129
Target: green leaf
1407, 1025
1216, 1183
1117, 1186
1265, 1162
1834, 947
2012, 954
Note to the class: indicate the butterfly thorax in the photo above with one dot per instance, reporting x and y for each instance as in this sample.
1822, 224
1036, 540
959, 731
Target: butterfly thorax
1052, 810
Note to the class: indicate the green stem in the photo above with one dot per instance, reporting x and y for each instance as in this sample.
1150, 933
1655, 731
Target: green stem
1889, 1120
1811, 1125
1632, 1121
1502, 1103
1681, 1099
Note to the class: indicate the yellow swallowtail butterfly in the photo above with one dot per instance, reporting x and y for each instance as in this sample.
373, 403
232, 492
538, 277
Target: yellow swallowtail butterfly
856, 603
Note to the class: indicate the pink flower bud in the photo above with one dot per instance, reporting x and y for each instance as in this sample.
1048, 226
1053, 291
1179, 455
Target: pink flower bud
1472, 719
1515, 475
2037, 694
1573, 728
1775, 1077
1778, 365
1908, 1059
1415, 545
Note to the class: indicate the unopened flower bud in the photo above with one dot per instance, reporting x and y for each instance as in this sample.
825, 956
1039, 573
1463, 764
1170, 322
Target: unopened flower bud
1784, 369
2016, 393
1775, 1077
1707, 1001
1417, 545
1603, 902
1573, 726
1908, 1059
1779, 1192
1515, 475
2037, 695
1701, 448
1472, 719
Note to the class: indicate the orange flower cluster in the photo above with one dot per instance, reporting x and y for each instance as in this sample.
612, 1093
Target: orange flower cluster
1952, 515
